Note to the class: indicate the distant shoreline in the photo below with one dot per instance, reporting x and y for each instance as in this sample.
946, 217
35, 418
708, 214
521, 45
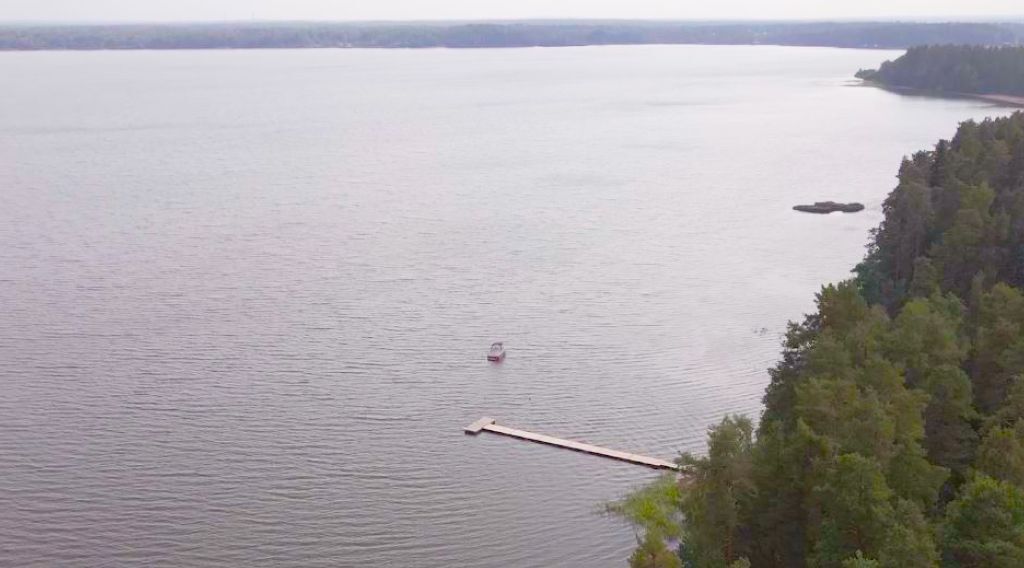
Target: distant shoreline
854, 35
425, 48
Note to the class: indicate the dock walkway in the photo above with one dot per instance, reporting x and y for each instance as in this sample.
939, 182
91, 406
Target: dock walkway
489, 425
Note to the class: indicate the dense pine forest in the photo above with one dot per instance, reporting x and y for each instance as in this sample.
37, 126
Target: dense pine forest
896, 35
893, 428
955, 69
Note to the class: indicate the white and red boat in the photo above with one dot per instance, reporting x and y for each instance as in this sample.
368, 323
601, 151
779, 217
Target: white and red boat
497, 352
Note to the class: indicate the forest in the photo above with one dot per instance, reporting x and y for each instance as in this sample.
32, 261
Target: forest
955, 69
892, 35
893, 425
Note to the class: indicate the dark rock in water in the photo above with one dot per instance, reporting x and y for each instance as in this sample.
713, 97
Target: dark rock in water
829, 207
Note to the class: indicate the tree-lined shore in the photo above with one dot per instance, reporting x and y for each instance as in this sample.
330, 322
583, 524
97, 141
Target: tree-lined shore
893, 428
890, 35
955, 69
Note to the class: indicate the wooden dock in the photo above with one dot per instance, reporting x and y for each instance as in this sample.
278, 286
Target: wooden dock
489, 425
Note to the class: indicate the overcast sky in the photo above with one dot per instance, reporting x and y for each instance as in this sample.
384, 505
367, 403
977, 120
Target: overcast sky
189, 10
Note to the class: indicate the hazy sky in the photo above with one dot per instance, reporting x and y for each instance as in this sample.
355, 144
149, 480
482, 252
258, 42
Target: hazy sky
181, 10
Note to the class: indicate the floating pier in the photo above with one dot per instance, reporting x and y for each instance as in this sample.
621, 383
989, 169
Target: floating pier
489, 425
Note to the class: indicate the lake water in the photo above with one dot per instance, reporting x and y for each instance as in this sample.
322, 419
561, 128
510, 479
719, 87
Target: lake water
245, 297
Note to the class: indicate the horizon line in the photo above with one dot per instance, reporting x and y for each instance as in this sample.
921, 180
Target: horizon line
1018, 19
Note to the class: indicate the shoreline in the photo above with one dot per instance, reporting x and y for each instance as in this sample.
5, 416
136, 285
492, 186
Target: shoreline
1014, 101
4, 49
1010, 100
882, 34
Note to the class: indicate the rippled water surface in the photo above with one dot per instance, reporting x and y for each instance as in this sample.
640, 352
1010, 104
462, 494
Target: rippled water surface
245, 297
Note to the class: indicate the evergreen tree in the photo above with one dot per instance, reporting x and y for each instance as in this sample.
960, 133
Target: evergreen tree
1001, 455
984, 526
720, 487
652, 553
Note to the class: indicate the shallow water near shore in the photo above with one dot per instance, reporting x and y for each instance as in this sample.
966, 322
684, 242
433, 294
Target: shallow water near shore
246, 297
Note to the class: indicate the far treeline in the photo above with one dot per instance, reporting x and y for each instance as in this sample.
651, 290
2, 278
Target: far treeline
893, 428
955, 69
522, 34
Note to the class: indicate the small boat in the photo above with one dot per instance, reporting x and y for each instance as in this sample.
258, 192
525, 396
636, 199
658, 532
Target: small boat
497, 352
